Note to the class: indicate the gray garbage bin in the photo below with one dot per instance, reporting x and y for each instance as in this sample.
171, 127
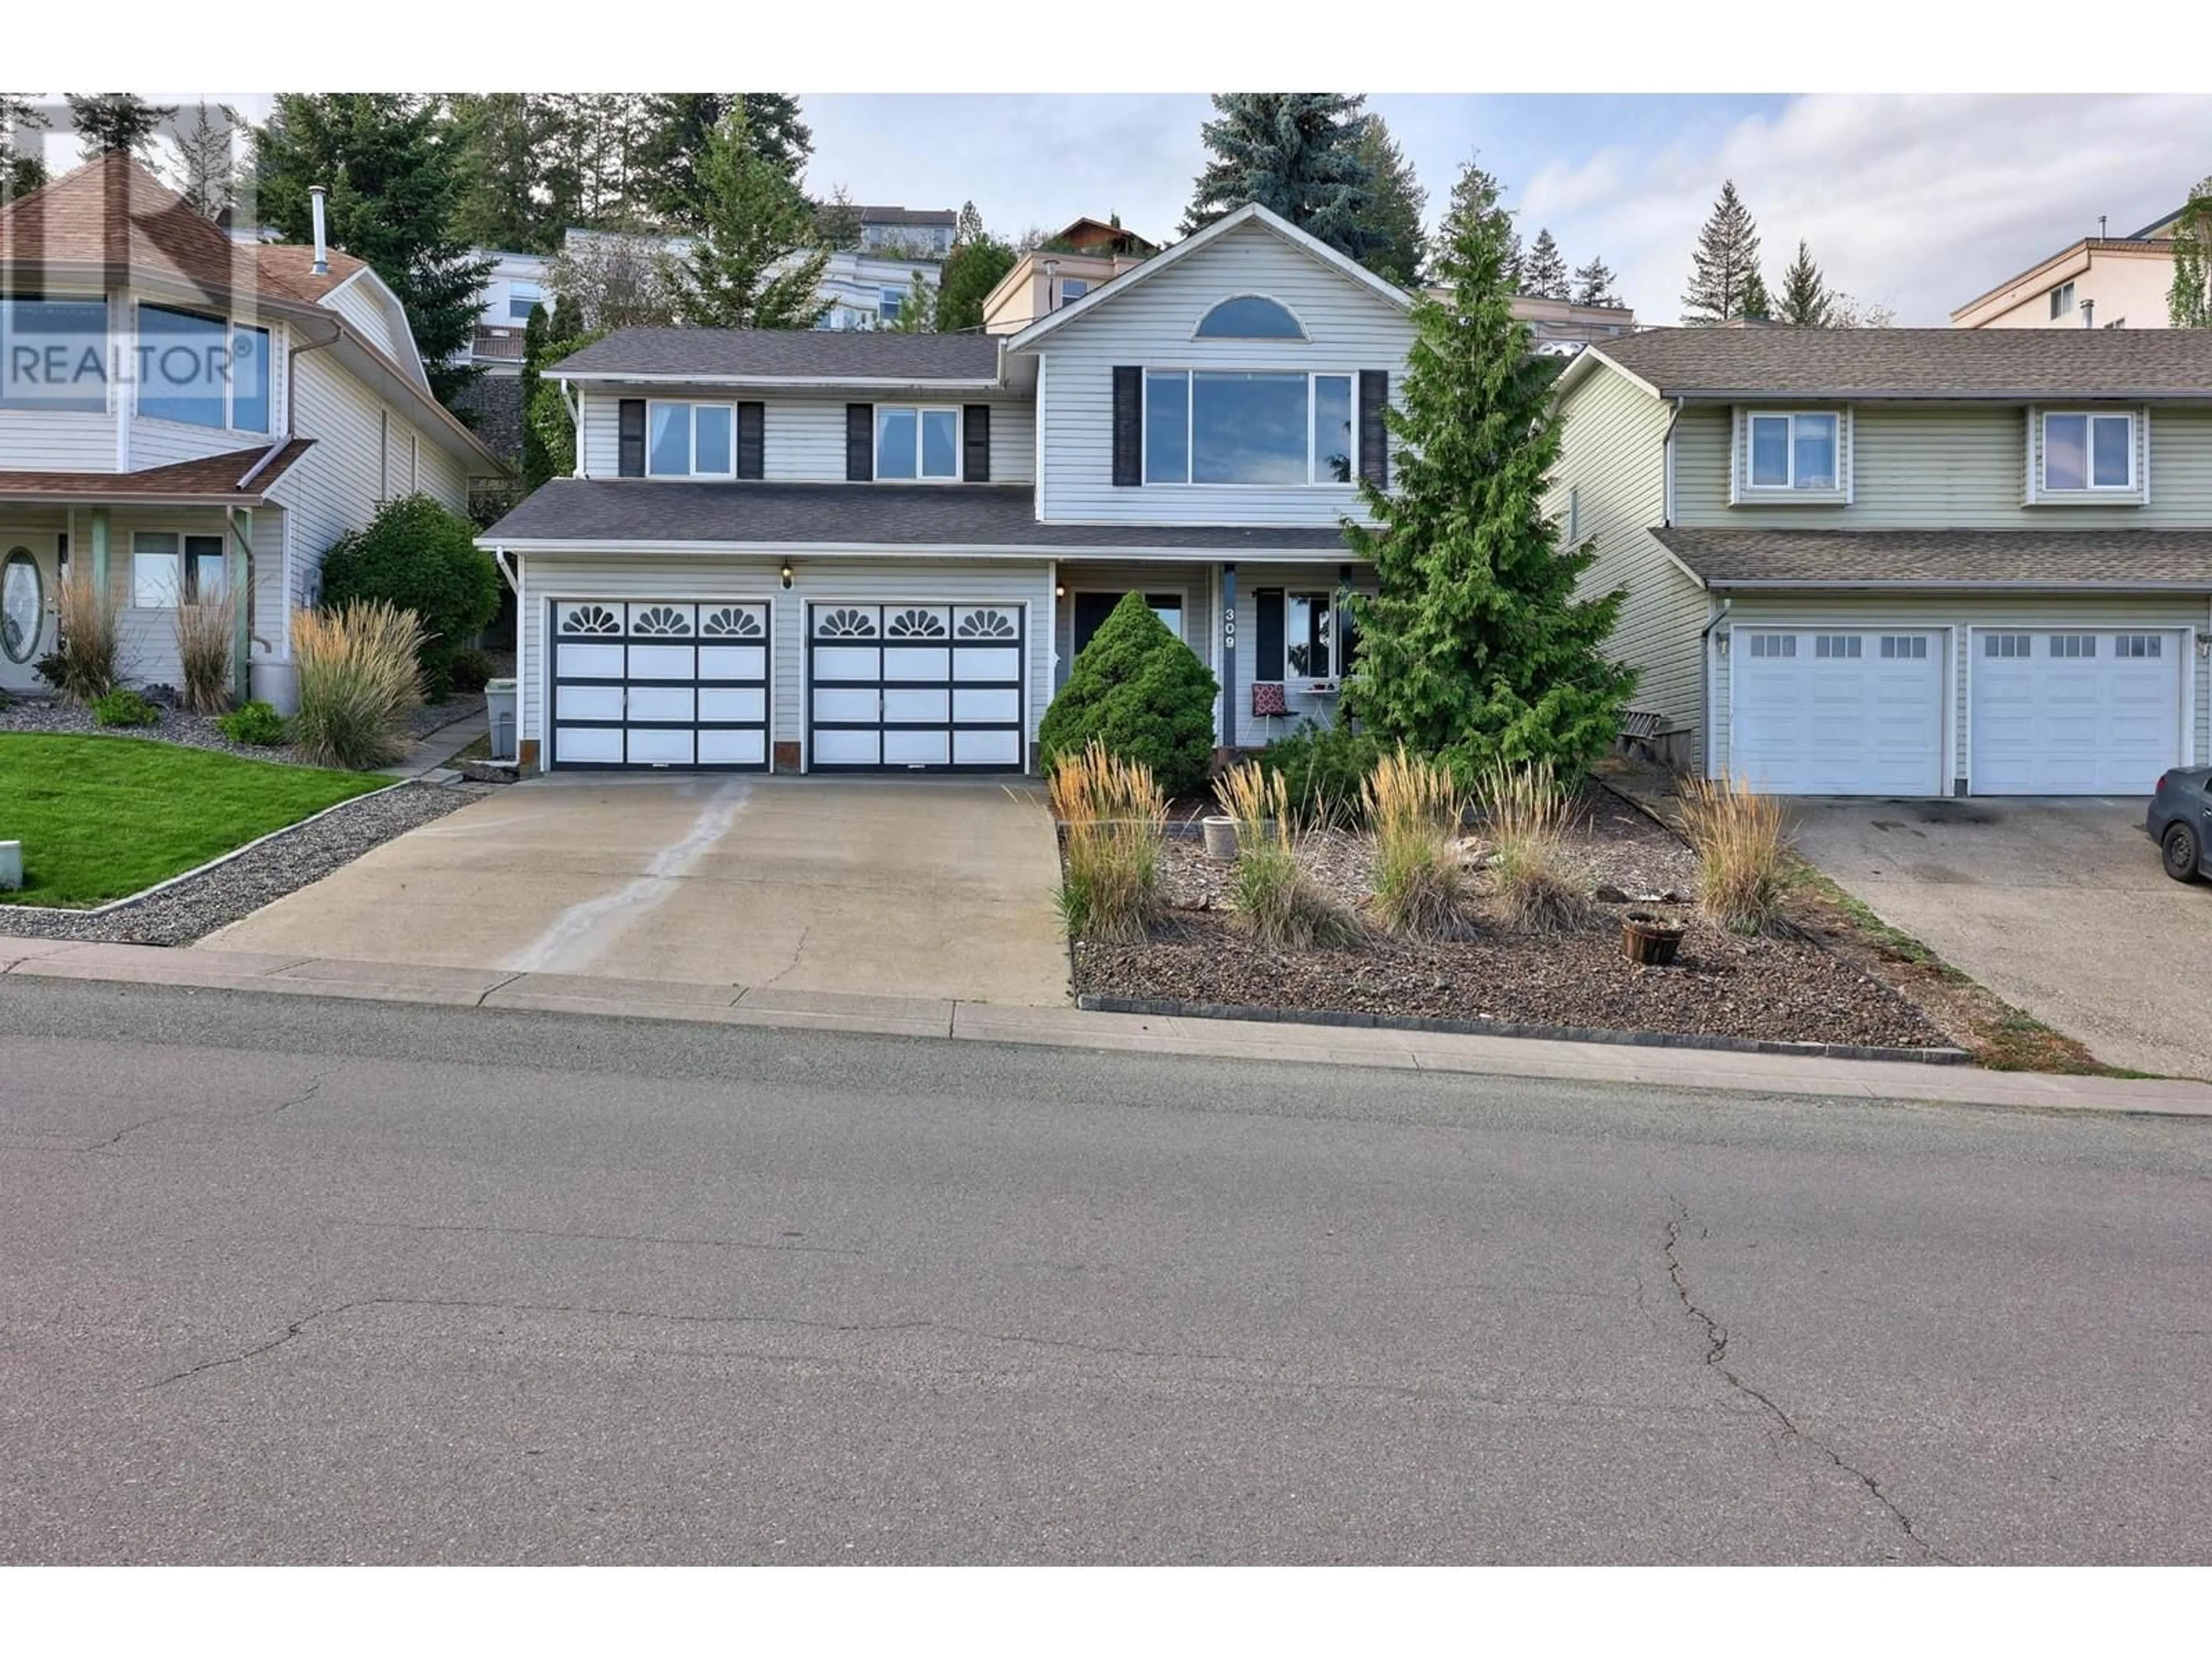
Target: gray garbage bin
499, 714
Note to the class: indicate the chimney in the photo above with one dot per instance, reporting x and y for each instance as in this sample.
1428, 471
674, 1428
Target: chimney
316, 193
2088, 313
2100, 226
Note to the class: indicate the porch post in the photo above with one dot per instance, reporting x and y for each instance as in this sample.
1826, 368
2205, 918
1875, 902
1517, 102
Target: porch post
100, 596
1229, 656
238, 581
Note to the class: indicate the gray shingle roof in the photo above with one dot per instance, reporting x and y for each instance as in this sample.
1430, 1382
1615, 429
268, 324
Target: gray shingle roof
1921, 362
789, 354
795, 515
1907, 558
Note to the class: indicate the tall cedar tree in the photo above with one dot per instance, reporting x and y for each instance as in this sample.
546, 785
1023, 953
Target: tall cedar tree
21, 168
968, 226
207, 159
392, 171
976, 267
1296, 154
1477, 190
917, 312
2189, 299
501, 137
1475, 647
752, 216
837, 223
678, 126
1753, 304
1545, 274
1804, 302
1726, 255
108, 122
1399, 203
1593, 284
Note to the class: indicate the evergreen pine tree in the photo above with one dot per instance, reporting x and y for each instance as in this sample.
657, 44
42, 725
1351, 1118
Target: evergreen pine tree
838, 221
1296, 154
1804, 302
1545, 274
21, 168
207, 160
2189, 299
392, 177
1402, 245
1593, 284
1727, 253
752, 217
677, 128
917, 312
969, 227
501, 139
1753, 304
1476, 646
977, 266
108, 122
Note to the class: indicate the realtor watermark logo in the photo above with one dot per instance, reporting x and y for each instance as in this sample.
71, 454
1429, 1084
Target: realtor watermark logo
59, 354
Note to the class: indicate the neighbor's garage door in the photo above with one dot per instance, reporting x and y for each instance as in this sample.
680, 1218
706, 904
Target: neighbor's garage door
1825, 712
905, 687
2086, 712
659, 683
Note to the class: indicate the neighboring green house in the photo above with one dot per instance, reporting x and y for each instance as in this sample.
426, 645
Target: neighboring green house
1905, 562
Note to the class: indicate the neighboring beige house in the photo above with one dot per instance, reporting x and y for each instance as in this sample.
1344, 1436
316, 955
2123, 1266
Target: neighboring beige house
2100, 281
1084, 255
1905, 562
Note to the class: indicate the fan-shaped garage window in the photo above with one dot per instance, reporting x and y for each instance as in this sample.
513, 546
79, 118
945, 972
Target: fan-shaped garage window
1249, 317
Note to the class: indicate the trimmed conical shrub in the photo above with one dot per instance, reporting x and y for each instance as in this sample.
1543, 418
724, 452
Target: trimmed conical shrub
1142, 693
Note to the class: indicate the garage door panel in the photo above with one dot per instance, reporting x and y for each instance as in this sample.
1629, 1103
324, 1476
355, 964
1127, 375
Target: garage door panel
740, 705
733, 662
944, 688
590, 746
987, 749
2067, 711
844, 748
932, 748
663, 703
933, 707
663, 662
651, 746
976, 663
1838, 724
842, 705
972, 707
732, 747
591, 662
591, 703
626, 683
846, 662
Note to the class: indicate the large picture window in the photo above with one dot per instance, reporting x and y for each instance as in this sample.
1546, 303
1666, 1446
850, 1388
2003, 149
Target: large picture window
202, 371
2088, 451
690, 441
1236, 427
1794, 451
53, 354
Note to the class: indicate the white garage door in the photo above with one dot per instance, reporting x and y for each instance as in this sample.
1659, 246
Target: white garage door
659, 683
2086, 712
910, 688
1829, 712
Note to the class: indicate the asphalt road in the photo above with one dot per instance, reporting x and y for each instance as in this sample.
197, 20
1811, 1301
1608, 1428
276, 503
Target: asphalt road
284, 1279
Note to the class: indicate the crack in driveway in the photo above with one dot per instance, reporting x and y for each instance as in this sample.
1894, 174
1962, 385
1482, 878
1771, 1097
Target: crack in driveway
1716, 1342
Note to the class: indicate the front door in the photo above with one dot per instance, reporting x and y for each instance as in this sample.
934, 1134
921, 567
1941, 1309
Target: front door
28, 579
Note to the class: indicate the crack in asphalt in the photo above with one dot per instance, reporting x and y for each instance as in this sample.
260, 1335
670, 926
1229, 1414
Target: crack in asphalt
598, 1238
797, 950
1716, 1342
315, 1087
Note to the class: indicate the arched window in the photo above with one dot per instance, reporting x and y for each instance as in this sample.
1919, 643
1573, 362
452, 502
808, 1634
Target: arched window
1249, 317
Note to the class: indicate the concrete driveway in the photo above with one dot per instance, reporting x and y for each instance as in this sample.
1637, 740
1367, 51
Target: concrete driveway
908, 888
2057, 905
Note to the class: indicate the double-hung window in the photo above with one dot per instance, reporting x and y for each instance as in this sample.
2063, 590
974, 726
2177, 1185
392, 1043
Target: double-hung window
888, 301
1238, 427
202, 371
2062, 300
522, 298
167, 570
690, 441
1316, 633
918, 444
1795, 451
2087, 452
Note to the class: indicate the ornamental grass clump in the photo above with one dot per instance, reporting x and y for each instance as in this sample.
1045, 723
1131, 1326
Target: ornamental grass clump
82, 666
1743, 850
1272, 895
359, 677
1414, 810
1114, 819
1538, 888
204, 636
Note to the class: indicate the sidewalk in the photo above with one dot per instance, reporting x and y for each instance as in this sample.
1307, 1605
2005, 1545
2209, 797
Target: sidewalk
981, 1022
431, 753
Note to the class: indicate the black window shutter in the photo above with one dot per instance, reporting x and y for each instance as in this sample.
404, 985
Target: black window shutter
1374, 440
1128, 427
859, 442
752, 441
1267, 657
630, 430
976, 443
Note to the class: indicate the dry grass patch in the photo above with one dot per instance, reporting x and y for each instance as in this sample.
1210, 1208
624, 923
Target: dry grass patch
1271, 894
1743, 852
1415, 809
1114, 816
358, 679
1539, 886
205, 634
86, 655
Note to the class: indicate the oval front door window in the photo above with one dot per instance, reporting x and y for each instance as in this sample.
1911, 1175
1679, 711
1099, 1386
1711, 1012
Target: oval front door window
22, 606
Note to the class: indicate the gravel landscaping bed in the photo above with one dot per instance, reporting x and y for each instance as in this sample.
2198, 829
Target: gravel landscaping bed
1778, 989
199, 904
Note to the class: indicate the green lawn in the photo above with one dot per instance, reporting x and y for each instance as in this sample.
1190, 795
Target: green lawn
101, 818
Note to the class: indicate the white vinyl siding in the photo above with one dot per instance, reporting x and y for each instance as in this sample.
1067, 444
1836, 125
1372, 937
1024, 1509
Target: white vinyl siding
358, 301
1612, 466
616, 576
1957, 466
803, 438
37, 440
1349, 327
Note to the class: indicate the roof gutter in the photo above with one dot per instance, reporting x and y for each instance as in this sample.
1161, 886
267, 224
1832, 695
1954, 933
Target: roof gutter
969, 549
594, 375
1878, 394
1990, 583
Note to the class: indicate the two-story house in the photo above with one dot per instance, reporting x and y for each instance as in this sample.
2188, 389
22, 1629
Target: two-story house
1905, 562
881, 552
185, 415
2099, 281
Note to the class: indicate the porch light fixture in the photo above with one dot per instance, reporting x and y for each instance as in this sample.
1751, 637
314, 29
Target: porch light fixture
785, 573
2204, 644
1059, 591
1721, 640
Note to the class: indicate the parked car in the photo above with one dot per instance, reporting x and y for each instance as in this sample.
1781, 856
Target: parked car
2180, 811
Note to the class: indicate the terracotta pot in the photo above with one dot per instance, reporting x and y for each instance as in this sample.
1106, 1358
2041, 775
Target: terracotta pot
1648, 941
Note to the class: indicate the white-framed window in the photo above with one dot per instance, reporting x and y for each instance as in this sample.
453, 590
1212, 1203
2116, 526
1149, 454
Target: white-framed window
1792, 450
1309, 636
1249, 317
2073, 647
53, 353
522, 298
1774, 645
2138, 645
2087, 451
918, 444
1072, 288
169, 568
202, 370
1905, 647
1838, 646
690, 441
1264, 427
888, 301
2062, 300
2006, 645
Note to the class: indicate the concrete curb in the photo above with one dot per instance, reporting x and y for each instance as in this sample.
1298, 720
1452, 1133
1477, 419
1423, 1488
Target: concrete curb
1171, 1009
1270, 1043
